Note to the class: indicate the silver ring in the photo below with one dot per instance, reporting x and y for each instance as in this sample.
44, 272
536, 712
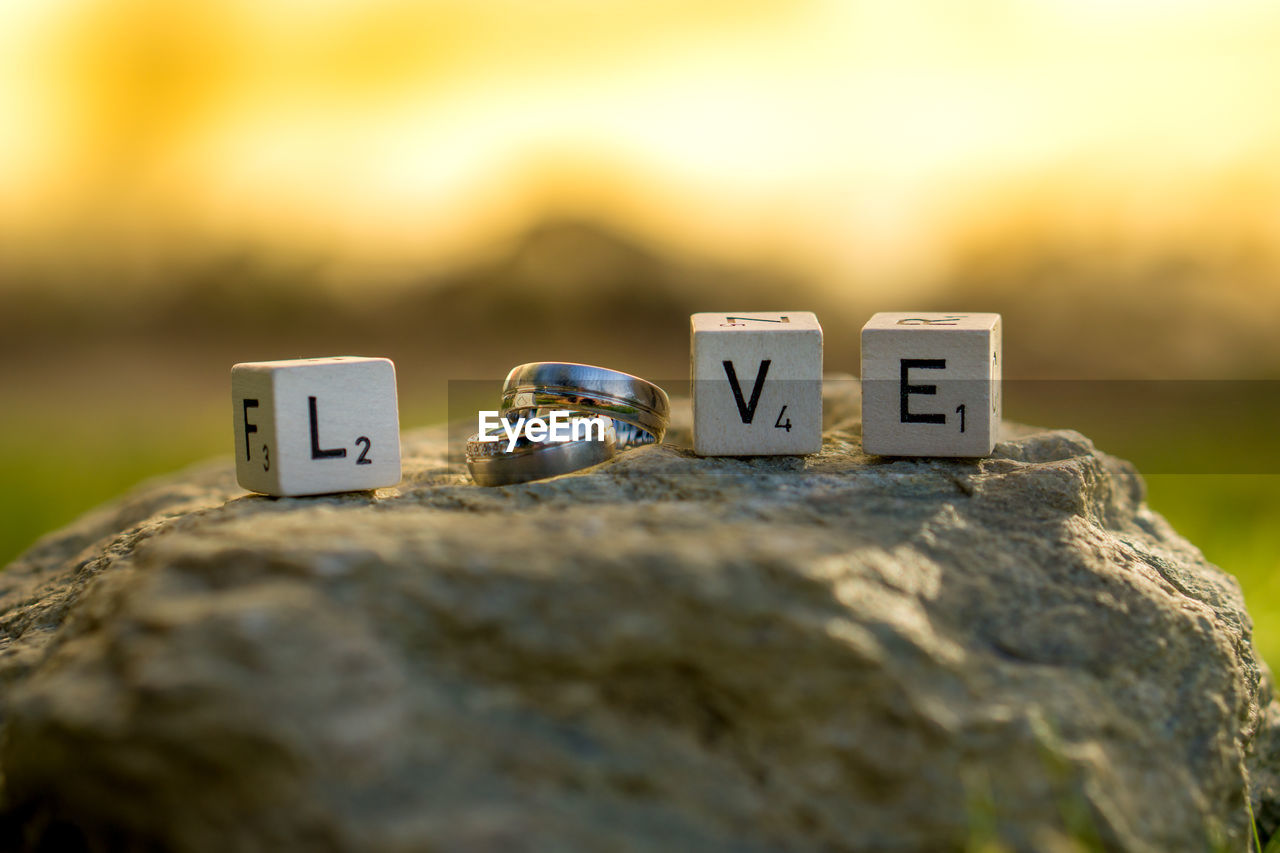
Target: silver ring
640, 409
492, 464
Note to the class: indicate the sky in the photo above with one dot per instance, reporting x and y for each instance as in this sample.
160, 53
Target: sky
856, 138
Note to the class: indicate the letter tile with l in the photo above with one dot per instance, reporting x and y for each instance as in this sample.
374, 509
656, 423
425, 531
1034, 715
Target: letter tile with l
316, 425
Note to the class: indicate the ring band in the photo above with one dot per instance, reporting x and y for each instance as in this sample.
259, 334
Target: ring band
640, 409
492, 464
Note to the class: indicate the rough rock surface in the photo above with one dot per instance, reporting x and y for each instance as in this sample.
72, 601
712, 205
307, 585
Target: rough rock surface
664, 653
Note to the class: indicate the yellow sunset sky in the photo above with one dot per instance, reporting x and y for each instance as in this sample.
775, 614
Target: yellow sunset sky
846, 137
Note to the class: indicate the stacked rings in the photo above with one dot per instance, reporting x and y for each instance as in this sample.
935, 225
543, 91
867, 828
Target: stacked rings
640, 409
632, 411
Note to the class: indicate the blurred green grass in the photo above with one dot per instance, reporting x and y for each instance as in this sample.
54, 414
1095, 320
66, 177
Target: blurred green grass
71, 465
1207, 453
1235, 521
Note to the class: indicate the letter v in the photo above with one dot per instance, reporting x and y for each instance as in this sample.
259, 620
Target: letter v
746, 410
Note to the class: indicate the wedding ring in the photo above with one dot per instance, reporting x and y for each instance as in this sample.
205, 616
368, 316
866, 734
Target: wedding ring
492, 464
640, 409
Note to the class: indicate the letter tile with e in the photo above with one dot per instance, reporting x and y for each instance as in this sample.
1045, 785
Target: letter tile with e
314, 426
757, 383
931, 384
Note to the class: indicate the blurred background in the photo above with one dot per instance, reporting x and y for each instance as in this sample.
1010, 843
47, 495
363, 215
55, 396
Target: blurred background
463, 185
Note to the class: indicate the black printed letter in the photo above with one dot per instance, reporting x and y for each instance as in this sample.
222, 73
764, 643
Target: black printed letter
316, 452
746, 410
905, 391
248, 427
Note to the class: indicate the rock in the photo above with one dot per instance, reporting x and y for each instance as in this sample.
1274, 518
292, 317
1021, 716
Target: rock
664, 653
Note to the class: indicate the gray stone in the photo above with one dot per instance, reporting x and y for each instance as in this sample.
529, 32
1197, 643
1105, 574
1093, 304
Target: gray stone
664, 653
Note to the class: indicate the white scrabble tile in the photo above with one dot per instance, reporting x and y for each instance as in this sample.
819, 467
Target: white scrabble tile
316, 425
931, 384
757, 383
